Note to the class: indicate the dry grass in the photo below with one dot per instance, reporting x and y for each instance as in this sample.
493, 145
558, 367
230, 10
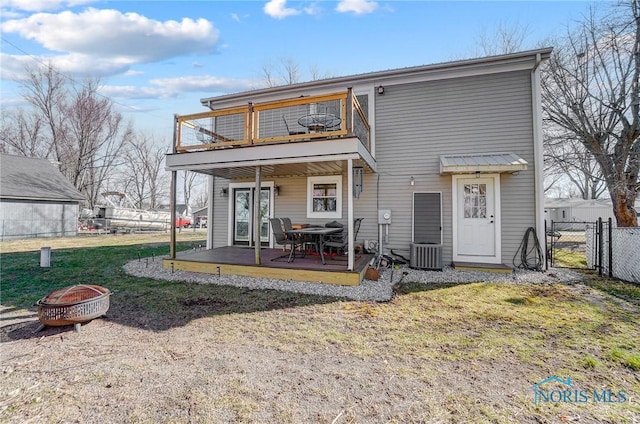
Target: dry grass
97, 240
170, 352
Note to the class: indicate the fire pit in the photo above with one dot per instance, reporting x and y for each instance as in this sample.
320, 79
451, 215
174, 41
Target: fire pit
73, 305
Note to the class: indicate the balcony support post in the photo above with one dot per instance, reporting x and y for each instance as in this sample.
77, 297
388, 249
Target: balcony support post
257, 219
172, 189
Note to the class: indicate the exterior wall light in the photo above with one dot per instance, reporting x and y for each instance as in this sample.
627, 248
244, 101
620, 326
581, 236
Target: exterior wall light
380, 89
412, 182
224, 192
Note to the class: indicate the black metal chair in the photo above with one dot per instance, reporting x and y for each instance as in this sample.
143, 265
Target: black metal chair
290, 131
308, 239
280, 237
339, 242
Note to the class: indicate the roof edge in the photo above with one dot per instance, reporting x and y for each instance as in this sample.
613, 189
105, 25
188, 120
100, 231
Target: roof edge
533, 55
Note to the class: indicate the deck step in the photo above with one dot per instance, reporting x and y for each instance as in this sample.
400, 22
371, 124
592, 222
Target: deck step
473, 266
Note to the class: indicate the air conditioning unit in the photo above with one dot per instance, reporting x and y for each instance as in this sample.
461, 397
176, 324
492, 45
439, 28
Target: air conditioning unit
426, 256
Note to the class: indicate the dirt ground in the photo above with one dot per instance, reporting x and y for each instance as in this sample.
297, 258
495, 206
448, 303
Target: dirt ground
211, 370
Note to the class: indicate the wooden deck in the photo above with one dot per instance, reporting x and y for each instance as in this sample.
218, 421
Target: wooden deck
241, 261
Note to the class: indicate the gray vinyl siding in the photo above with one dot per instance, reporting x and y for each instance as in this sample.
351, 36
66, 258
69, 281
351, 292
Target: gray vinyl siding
416, 123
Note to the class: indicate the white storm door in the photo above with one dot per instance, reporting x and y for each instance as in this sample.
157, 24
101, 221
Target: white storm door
476, 226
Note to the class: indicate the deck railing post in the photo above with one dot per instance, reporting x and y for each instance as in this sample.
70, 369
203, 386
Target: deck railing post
250, 129
350, 111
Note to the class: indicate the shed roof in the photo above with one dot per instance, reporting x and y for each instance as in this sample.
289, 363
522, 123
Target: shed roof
482, 162
23, 178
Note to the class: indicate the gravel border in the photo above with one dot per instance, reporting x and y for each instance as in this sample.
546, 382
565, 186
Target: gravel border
368, 290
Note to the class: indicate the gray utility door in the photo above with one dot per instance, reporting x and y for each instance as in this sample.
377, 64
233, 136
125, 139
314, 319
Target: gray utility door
427, 218
243, 216
476, 217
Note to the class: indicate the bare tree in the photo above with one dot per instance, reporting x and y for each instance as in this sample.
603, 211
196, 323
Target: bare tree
267, 74
591, 90
567, 159
285, 72
22, 133
504, 39
78, 128
144, 179
189, 181
290, 71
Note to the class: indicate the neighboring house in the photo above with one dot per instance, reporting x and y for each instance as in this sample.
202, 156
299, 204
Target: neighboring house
580, 210
447, 154
200, 217
36, 200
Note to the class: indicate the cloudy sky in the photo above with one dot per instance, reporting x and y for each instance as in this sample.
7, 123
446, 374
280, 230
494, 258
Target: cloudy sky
157, 58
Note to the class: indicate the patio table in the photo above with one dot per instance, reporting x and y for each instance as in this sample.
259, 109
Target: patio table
319, 121
319, 232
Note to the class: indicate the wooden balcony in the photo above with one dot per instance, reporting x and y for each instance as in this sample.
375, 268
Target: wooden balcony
333, 117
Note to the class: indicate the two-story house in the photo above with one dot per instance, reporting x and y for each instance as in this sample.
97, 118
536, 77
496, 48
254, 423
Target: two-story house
443, 162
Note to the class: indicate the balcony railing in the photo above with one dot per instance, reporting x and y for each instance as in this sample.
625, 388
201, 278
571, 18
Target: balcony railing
332, 116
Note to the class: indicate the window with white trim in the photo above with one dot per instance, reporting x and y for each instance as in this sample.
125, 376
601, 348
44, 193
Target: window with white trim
324, 197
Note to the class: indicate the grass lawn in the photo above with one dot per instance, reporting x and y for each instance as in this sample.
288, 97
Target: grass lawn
434, 353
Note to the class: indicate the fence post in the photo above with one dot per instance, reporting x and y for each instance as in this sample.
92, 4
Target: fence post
600, 245
610, 248
546, 248
553, 241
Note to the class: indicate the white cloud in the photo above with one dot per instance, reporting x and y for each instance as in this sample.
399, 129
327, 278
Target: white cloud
41, 5
235, 17
12, 67
132, 73
359, 7
278, 9
107, 33
174, 87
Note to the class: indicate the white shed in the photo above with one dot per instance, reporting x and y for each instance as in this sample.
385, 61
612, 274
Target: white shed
36, 200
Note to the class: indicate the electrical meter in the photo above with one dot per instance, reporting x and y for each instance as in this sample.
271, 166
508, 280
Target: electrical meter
384, 216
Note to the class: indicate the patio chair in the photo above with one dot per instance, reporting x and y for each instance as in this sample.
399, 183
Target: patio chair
339, 242
280, 237
290, 131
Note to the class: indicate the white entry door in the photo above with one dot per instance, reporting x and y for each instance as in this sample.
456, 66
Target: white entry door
476, 221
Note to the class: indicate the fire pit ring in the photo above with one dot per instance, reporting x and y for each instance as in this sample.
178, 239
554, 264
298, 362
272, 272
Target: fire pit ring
73, 305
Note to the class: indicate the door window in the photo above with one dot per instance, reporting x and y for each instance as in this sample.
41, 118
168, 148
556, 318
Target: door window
475, 200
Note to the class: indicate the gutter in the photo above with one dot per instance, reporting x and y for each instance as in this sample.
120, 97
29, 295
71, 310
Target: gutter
375, 77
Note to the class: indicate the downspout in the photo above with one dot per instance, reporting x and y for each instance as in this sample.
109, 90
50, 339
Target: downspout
536, 98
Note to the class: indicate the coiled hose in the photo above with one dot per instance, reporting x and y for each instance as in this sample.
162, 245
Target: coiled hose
530, 258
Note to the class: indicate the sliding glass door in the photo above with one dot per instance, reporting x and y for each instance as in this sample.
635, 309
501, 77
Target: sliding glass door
242, 205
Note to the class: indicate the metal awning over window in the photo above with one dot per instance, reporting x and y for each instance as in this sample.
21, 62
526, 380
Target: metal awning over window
482, 162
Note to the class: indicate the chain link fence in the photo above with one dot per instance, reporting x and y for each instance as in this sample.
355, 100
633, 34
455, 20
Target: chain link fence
595, 245
616, 252
567, 243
